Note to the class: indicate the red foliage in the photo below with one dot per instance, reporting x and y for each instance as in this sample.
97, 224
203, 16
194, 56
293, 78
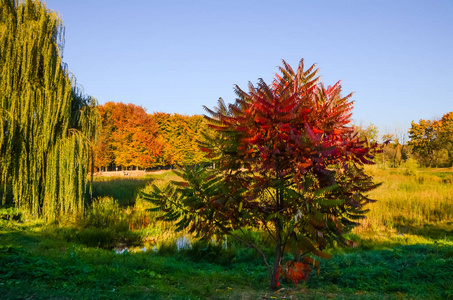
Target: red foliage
296, 271
273, 121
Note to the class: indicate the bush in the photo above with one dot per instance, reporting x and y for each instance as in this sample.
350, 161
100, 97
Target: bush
106, 213
104, 225
410, 167
10, 214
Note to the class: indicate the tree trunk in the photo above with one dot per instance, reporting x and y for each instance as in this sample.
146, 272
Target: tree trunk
275, 277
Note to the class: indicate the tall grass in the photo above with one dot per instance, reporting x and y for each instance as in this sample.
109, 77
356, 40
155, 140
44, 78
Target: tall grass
408, 199
118, 217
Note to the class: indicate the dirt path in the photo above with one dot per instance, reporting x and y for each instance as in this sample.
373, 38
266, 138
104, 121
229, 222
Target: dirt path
136, 173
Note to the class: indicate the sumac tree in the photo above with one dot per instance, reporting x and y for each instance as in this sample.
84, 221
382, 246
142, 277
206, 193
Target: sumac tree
287, 163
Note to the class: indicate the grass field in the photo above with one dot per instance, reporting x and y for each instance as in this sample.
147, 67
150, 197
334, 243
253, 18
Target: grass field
404, 251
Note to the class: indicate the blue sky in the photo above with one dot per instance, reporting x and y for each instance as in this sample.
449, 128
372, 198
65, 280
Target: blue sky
175, 56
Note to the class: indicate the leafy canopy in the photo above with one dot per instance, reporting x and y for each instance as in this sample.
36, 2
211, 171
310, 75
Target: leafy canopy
429, 138
287, 163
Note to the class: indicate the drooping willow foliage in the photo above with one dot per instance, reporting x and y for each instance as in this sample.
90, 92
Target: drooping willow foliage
47, 126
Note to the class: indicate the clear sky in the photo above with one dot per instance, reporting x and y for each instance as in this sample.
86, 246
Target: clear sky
175, 56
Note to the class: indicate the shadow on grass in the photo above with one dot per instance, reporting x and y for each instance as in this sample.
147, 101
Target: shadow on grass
416, 271
439, 231
124, 190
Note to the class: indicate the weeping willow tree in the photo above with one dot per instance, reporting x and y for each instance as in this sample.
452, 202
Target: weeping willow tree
47, 126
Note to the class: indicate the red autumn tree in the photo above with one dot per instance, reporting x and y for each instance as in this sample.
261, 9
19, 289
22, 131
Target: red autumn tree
289, 164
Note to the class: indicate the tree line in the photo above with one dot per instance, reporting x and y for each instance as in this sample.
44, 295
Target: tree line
132, 139
428, 142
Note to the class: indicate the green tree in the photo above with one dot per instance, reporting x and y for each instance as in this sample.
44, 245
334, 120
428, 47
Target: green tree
288, 164
46, 126
371, 132
431, 141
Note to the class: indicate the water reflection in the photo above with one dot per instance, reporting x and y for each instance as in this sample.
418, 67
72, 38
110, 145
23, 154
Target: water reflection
182, 242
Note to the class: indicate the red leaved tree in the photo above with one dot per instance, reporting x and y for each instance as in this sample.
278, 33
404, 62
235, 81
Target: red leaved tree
288, 163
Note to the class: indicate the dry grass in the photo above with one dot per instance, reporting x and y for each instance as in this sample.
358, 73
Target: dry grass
409, 199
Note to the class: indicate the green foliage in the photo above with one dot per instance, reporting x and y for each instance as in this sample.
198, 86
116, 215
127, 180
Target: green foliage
47, 262
104, 213
54, 270
410, 166
105, 225
395, 151
371, 132
392, 271
10, 213
46, 125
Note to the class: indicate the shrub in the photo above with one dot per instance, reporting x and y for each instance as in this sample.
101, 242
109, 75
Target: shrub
106, 213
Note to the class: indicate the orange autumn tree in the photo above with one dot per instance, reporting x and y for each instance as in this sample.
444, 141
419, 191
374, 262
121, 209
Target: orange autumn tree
129, 137
103, 150
288, 164
168, 154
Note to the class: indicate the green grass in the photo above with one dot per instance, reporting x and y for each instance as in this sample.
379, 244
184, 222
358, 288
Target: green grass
404, 250
42, 268
38, 267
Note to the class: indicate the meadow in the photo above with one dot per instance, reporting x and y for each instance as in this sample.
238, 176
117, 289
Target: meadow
403, 249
